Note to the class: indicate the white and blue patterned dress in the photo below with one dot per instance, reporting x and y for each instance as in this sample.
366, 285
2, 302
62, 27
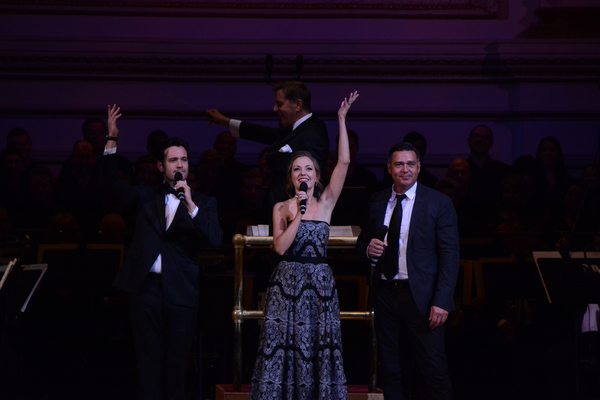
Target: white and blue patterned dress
300, 344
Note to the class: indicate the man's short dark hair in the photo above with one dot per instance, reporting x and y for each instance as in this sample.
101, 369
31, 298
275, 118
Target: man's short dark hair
90, 121
172, 142
16, 132
294, 90
482, 126
414, 136
404, 146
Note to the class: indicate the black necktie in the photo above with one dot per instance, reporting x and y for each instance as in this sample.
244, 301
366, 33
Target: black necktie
390, 266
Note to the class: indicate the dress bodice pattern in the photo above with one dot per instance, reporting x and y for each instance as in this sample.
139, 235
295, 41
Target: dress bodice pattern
311, 239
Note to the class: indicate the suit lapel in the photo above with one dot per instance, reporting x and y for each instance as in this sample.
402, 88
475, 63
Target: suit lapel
160, 208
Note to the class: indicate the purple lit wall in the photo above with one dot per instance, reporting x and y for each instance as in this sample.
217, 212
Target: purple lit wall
440, 74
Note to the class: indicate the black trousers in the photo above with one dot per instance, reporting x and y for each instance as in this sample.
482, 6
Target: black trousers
400, 327
163, 334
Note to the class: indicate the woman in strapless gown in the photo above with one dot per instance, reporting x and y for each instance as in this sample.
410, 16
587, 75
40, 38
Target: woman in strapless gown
300, 343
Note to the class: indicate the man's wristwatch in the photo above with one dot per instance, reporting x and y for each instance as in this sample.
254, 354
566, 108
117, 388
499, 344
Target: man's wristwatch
108, 137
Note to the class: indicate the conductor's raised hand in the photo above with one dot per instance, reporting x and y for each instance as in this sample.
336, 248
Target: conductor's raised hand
216, 118
113, 116
346, 104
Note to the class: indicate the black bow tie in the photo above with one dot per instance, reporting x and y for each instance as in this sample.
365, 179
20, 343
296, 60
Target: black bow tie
165, 188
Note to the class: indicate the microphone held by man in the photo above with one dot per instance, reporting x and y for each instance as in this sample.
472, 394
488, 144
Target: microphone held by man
180, 193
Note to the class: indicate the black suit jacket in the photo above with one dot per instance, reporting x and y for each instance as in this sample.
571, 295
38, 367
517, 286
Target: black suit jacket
177, 245
311, 135
432, 252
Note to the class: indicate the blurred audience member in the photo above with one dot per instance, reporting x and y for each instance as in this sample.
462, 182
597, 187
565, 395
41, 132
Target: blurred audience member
192, 181
113, 229
77, 192
420, 143
13, 183
486, 174
94, 131
40, 205
519, 231
146, 171
19, 139
263, 168
155, 141
63, 228
573, 222
253, 209
208, 171
232, 172
553, 179
473, 216
360, 183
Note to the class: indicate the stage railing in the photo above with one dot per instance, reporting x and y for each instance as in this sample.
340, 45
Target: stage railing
239, 314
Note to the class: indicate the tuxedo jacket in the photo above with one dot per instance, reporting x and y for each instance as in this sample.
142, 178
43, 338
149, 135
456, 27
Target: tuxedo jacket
311, 135
432, 252
179, 245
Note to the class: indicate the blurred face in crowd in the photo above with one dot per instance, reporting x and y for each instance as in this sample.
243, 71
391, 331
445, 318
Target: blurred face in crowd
175, 160
548, 154
420, 146
83, 159
404, 169
253, 191
148, 174
41, 189
480, 141
13, 165
590, 176
23, 144
96, 135
459, 172
511, 193
226, 145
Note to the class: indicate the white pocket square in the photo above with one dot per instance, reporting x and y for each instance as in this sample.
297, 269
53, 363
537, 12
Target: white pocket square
285, 149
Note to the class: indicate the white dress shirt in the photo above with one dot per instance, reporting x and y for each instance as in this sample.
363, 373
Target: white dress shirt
407, 206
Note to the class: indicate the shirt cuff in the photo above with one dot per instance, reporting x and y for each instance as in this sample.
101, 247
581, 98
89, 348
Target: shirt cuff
234, 127
194, 213
110, 151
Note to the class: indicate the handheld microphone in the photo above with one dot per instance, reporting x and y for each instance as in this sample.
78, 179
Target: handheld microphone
180, 193
303, 188
381, 235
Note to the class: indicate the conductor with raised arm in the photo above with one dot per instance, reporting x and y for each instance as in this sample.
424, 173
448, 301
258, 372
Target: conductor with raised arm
300, 130
416, 266
160, 271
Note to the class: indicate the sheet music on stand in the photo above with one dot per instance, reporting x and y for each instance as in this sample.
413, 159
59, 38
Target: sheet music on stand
560, 276
19, 283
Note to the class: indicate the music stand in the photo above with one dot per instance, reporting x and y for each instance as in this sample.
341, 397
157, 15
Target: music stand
564, 279
20, 284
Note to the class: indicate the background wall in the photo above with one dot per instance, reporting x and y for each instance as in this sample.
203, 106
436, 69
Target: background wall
526, 68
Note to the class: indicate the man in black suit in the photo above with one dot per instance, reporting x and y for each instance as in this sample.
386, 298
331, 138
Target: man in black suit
299, 130
160, 271
416, 267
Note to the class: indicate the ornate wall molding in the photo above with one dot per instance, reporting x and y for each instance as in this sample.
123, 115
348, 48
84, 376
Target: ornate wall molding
571, 23
445, 9
519, 61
